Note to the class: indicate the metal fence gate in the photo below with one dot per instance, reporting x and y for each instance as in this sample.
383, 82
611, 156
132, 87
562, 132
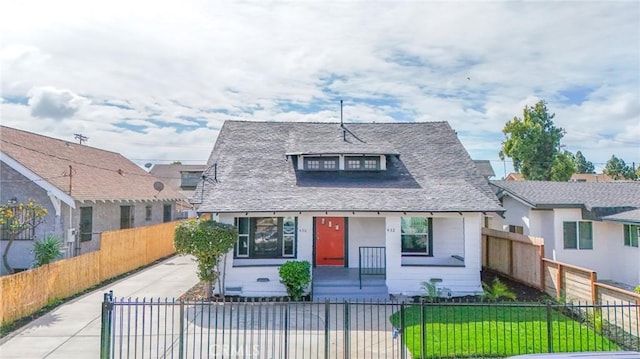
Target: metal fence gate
167, 328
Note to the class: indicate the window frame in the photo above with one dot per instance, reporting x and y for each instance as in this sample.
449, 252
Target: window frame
578, 242
85, 236
513, 228
148, 212
248, 234
628, 238
126, 223
429, 244
322, 161
167, 213
362, 163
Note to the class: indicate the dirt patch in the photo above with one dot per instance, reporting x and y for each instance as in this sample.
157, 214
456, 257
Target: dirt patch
523, 293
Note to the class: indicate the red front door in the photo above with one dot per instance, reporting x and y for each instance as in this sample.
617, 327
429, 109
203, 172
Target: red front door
330, 241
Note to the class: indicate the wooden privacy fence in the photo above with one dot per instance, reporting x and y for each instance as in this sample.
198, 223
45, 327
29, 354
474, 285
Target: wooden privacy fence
120, 251
521, 258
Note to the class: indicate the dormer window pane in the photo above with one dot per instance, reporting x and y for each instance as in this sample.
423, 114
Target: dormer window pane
353, 164
313, 165
330, 164
321, 163
364, 163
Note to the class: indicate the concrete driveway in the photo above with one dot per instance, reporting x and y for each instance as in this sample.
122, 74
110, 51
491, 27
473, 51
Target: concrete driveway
73, 329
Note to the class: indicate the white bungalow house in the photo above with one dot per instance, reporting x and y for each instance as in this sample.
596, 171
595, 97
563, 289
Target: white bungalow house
85, 190
401, 201
591, 225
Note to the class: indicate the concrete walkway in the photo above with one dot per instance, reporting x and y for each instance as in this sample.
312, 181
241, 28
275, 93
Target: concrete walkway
73, 329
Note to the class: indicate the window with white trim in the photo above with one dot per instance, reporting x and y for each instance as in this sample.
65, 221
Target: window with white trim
321, 163
266, 237
631, 233
577, 235
362, 163
416, 236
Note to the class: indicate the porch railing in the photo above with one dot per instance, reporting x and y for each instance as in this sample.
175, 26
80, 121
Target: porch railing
372, 261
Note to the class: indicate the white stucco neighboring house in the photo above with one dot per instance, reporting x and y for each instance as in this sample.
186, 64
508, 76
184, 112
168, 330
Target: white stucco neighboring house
591, 225
403, 200
85, 190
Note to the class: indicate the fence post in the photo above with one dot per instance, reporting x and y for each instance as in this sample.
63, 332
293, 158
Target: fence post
423, 344
105, 334
402, 326
549, 329
181, 331
286, 330
326, 329
347, 328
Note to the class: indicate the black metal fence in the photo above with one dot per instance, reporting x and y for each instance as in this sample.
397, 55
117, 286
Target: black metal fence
133, 328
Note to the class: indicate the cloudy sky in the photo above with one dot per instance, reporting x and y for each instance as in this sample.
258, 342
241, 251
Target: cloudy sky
155, 81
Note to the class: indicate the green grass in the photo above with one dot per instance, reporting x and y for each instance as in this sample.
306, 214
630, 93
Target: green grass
454, 330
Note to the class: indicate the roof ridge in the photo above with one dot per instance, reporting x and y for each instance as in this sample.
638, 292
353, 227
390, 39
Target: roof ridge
51, 138
337, 123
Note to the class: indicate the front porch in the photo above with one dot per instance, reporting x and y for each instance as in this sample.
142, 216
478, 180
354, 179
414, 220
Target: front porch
340, 283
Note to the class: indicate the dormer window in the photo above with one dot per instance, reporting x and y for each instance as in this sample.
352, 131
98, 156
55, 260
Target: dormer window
321, 163
362, 163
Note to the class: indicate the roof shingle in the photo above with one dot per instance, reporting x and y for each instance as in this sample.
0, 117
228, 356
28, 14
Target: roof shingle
432, 173
95, 174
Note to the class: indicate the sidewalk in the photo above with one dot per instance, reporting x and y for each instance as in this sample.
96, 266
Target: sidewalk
73, 329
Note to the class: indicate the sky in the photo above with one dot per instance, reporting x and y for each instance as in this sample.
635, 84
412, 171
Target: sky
155, 80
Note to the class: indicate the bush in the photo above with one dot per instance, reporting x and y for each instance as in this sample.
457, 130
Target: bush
46, 250
497, 290
637, 290
296, 276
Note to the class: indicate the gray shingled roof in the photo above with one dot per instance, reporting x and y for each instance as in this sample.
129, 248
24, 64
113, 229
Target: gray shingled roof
433, 172
485, 168
588, 195
632, 216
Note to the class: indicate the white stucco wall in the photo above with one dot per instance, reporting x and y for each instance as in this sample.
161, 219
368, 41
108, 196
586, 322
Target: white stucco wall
517, 214
460, 280
364, 232
597, 258
624, 261
453, 235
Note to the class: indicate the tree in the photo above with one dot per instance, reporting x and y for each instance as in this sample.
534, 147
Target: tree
47, 250
582, 165
208, 241
17, 218
617, 169
533, 143
564, 165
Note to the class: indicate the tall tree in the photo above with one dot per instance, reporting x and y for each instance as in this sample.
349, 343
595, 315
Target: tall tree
564, 165
617, 169
533, 142
582, 165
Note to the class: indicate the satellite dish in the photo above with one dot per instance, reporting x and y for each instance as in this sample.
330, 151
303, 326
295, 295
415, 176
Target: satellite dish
148, 165
158, 186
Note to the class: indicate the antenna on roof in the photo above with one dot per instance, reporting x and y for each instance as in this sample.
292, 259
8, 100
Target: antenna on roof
80, 137
344, 132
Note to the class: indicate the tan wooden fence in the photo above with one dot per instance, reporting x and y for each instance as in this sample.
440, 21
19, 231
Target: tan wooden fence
521, 258
120, 251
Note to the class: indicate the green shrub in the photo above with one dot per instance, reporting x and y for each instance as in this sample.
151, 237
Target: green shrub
497, 290
431, 291
296, 276
637, 290
47, 250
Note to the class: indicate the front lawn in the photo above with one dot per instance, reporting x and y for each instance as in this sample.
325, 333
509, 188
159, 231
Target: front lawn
471, 330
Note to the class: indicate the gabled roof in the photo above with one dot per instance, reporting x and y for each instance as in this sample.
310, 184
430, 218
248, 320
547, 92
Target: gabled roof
485, 168
85, 173
632, 216
428, 170
588, 195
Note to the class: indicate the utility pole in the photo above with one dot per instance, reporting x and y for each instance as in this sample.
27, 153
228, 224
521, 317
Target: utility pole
80, 137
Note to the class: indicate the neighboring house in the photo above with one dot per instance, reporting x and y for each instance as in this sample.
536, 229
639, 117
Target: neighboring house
588, 224
182, 179
85, 190
406, 196
576, 177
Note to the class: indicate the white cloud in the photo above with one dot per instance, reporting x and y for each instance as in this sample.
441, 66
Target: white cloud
183, 68
49, 102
